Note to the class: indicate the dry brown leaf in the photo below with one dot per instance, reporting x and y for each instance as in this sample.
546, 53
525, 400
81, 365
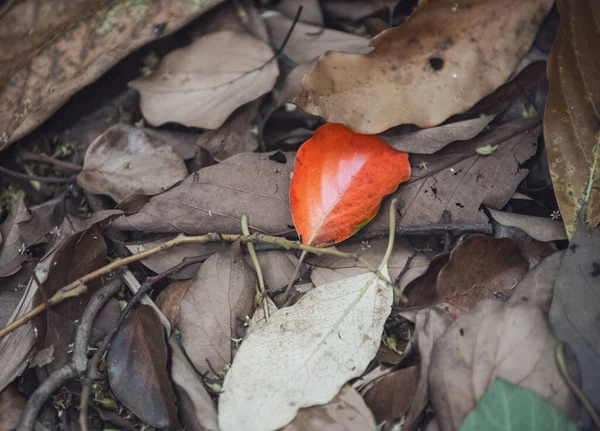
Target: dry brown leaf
214, 199
126, 160
540, 228
234, 136
222, 293
12, 407
531, 249
290, 86
421, 291
459, 180
202, 84
308, 42
573, 112
347, 411
13, 251
429, 141
440, 62
311, 10
170, 299
495, 340
392, 395
44, 218
481, 267
49, 50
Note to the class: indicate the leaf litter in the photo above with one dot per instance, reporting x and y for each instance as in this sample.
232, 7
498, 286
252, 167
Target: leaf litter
471, 302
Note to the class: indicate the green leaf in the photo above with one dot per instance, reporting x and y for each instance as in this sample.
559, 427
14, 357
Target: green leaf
508, 407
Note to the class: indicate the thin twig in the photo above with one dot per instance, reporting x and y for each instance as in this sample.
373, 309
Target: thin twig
27, 177
78, 363
414, 254
45, 158
257, 268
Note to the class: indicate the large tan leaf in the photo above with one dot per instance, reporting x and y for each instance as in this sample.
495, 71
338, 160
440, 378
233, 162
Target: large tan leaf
49, 50
202, 84
446, 57
573, 112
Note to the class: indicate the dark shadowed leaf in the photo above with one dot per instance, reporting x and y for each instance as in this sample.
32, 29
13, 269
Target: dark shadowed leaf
170, 299
222, 292
127, 160
12, 406
392, 395
137, 369
531, 249
495, 340
539, 228
13, 250
509, 407
44, 220
214, 199
347, 411
575, 309
40, 71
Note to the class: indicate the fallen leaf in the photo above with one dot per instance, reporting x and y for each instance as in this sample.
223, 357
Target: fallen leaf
137, 369
572, 113
494, 340
506, 406
328, 337
347, 411
290, 86
353, 11
434, 74
170, 299
214, 199
575, 310
328, 268
459, 180
481, 267
340, 178
421, 292
13, 251
540, 228
308, 41
194, 87
429, 141
197, 410
126, 160
311, 10
277, 267
12, 407
391, 396
531, 249
222, 292
234, 136
44, 218
72, 45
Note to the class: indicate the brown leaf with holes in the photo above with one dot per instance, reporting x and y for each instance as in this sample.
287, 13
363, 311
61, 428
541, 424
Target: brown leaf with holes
49, 50
573, 112
441, 61
481, 267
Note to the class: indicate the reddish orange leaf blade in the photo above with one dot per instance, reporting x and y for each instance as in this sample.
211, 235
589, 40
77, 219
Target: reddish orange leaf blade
340, 178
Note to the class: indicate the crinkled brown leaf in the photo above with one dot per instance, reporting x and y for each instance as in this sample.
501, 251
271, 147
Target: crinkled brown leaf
127, 160
197, 410
575, 309
137, 369
70, 46
540, 228
12, 406
347, 411
512, 342
392, 395
170, 299
13, 250
308, 42
202, 84
481, 267
429, 141
441, 61
459, 180
222, 292
573, 112
214, 199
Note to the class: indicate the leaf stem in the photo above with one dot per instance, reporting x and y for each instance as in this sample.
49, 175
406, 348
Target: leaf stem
259, 274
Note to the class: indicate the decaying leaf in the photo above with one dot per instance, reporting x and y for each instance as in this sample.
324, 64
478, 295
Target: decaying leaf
308, 42
12, 406
137, 369
189, 89
328, 337
340, 178
170, 299
419, 75
73, 43
13, 251
429, 141
222, 292
575, 310
540, 228
43, 221
347, 411
126, 160
572, 113
495, 340
506, 406
392, 395
214, 199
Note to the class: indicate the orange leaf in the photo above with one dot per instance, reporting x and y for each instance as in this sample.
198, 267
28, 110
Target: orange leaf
340, 178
